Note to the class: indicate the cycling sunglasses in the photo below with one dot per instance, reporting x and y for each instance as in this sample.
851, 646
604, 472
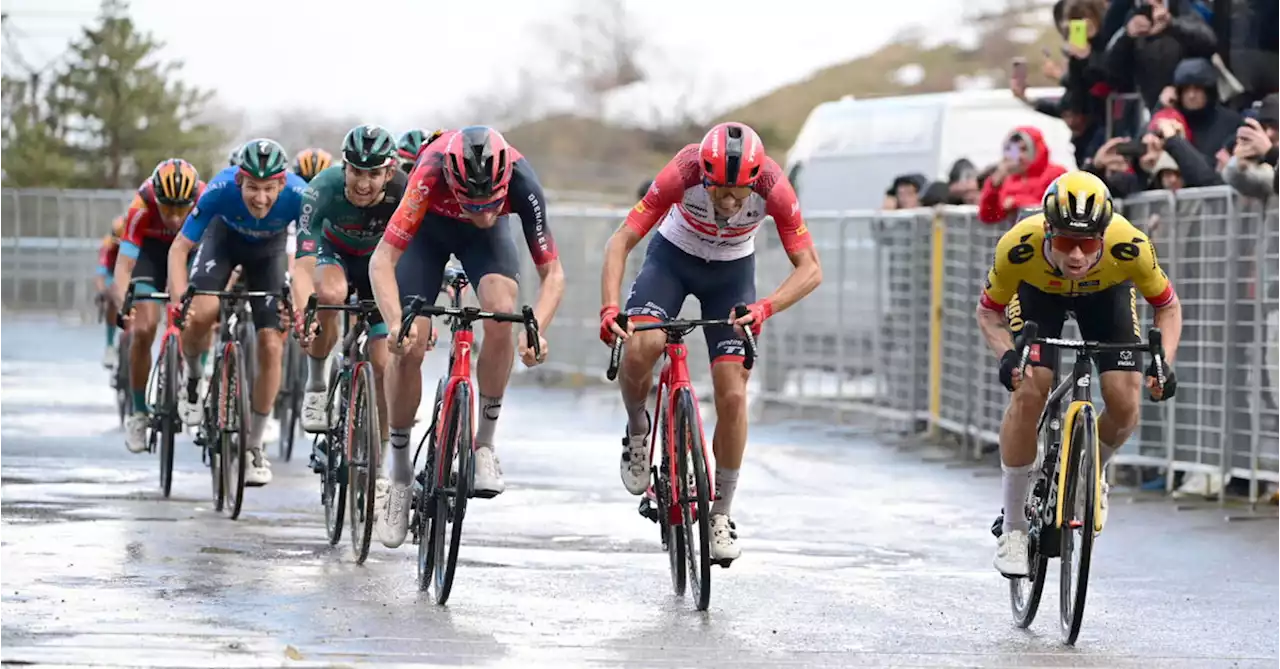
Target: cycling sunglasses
736, 192
480, 208
1067, 243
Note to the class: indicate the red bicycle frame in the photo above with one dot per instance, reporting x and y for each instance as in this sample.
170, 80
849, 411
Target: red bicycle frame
459, 371
674, 377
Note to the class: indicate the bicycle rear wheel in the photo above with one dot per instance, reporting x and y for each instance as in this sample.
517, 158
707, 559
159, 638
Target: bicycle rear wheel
1078, 504
335, 478
425, 495
211, 436
695, 503
166, 410
290, 401
363, 450
451, 504
1025, 592
234, 426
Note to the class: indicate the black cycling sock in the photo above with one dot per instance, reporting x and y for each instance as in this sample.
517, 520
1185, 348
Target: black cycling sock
316, 379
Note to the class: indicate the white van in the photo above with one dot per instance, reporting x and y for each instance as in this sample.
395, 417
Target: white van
849, 151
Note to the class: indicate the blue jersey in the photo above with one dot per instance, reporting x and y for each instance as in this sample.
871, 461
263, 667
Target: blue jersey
223, 200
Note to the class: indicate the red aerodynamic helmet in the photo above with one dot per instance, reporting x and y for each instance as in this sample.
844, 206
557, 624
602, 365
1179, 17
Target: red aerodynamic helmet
732, 155
477, 164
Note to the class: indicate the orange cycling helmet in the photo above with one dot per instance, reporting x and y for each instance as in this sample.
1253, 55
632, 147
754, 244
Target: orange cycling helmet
174, 182
310, 162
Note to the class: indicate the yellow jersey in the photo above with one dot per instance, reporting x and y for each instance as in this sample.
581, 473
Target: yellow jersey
1022, 256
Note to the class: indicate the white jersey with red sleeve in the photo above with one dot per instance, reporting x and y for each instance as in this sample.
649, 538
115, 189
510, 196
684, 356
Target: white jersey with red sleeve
681, 203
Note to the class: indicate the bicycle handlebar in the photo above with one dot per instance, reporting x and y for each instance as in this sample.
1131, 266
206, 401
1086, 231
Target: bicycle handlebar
683, 327
130, 296
418, 306
233, 295
362, 307
1153, 346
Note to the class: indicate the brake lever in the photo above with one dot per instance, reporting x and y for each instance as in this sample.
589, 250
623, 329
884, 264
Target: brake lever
531, 332
406, 321
749, 340
187, 296
615, 354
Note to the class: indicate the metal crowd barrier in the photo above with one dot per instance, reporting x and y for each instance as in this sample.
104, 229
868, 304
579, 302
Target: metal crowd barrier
890, 335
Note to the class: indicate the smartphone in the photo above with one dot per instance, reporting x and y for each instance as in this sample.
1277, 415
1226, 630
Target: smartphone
1018, 71
1143, 9
1078, 33
1133, 149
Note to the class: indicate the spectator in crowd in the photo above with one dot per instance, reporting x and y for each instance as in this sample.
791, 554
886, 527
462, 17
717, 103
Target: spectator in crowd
961, 186
1020, 178
1195, 94
1169, 132
905, 191
1166, 174
1253, 47
1114, 168
1252, 167
1158, 34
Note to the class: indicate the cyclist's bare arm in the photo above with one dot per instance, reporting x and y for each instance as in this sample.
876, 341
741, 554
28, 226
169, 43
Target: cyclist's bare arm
1169, 319
616, 251
806, 275
178, 276
806, 272
992, 324
382, 278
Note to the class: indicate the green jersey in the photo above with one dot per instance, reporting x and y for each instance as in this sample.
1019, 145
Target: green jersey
327, 215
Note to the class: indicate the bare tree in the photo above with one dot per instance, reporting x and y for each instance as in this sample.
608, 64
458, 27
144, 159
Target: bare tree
597, 50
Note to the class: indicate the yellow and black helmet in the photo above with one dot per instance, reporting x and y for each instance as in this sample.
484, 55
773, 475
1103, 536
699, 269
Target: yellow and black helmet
1078, 203
310, 162
174, 182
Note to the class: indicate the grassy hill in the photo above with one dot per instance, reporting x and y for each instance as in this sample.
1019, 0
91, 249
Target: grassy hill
778, 115
574, 153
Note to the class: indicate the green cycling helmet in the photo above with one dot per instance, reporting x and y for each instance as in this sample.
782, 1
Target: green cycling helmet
410, 143
263, 159
369, 147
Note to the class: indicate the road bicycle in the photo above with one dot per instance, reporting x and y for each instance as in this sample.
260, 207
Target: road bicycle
293, 380
444, 483
1065, 495
347, 453
164, 423
223, 433
683, 515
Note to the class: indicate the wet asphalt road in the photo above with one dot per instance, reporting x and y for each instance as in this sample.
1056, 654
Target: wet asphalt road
856, 554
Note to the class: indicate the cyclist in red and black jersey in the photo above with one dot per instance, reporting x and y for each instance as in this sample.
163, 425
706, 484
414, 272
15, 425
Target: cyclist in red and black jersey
460, 193
157, 212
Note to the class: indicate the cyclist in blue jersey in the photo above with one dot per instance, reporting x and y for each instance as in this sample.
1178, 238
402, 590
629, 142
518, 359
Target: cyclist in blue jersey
242, 219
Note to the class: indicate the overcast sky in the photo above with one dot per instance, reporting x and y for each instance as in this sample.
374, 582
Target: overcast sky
401, 62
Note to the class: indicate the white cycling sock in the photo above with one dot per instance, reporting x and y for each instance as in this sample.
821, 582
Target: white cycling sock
1107, 452
1013, 484
490, 407
726, 485
257, 424
316, 379
400, 465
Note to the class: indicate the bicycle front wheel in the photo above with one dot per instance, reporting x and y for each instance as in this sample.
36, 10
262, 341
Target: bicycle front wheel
695, 498
451, 502
1079, 501
166, 410
363, 450
234, 426
124, 400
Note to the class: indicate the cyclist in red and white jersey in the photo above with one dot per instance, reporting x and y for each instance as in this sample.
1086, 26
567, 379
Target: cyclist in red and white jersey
707, 204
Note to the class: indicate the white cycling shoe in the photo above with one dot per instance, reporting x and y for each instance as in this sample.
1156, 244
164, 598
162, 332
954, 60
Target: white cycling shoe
634, 465
315, 411
1011, 554
391, 504
257, 469
135, 431
724, 540
488, 479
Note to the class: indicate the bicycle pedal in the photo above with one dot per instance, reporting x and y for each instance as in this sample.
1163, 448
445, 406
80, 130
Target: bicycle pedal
722, 563
648, 509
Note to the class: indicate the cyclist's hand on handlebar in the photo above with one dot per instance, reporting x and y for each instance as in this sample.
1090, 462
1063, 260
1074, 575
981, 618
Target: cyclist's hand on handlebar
526, 351
1153, 383
757, 313
1010, 375
609, 328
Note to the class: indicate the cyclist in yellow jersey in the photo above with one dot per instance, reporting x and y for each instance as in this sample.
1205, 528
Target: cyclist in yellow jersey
1077, 257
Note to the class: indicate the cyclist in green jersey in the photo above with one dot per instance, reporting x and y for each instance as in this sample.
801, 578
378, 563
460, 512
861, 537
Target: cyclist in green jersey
345, 209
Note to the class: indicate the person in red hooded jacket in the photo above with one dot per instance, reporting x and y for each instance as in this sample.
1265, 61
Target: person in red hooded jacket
1021, 177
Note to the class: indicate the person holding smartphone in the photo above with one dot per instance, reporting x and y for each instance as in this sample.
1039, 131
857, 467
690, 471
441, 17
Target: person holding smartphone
1157, 35
1252, 167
